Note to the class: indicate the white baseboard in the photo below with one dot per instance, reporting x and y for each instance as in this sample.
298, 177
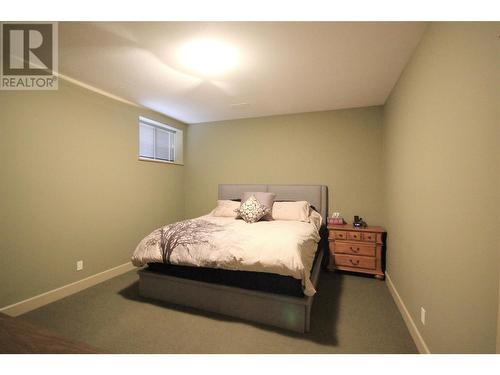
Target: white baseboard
412, 327
64, 291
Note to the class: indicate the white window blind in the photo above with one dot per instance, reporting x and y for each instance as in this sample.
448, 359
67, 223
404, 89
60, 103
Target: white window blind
164, 144
158, 141
147, 141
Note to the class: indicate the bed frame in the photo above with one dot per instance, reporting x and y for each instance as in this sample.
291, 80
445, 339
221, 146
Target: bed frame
291, 313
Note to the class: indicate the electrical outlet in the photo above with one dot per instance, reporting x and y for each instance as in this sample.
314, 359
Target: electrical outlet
79, 265
422, 315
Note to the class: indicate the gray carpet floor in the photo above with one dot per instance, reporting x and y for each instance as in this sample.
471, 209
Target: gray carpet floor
350, 314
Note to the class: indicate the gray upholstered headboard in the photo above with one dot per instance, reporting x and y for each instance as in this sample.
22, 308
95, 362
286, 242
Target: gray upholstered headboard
316, 195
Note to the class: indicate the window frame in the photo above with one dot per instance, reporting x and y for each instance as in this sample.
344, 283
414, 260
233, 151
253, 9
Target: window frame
177, 133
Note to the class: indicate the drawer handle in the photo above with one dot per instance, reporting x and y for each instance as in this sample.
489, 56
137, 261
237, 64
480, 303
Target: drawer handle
355, 250
354, 263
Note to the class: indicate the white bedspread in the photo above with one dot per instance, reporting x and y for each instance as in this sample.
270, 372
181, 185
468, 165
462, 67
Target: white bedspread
283, 247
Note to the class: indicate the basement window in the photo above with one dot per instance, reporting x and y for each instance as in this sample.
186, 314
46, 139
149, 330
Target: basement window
159, 142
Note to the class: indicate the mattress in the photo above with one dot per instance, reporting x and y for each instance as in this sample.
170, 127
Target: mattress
259, 281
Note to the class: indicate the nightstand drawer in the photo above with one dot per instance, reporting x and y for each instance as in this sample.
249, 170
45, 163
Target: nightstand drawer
339, 235
354, 261
355, 248
356, 236
370, 237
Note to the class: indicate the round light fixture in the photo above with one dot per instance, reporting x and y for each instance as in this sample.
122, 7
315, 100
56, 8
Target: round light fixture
208, 57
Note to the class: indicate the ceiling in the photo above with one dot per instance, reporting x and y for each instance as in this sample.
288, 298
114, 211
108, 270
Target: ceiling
282, 67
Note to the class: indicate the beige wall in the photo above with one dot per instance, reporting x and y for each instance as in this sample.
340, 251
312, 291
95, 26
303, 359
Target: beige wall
441, 141
341, 149
72, 188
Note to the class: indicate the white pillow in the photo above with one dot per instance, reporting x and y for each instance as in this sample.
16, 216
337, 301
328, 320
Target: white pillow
315, 218
225, 208
298, 211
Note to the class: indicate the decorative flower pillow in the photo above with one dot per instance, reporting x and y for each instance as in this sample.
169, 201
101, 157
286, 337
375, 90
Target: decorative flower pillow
267, 199
252, 210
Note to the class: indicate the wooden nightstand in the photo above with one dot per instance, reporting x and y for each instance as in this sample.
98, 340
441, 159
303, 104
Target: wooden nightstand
356, 249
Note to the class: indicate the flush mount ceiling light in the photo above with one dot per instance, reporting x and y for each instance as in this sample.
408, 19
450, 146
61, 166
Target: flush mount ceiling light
208, 57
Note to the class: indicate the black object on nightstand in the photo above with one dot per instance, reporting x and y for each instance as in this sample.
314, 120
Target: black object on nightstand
358, 222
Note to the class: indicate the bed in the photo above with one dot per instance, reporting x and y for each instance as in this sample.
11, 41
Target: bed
264, 297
